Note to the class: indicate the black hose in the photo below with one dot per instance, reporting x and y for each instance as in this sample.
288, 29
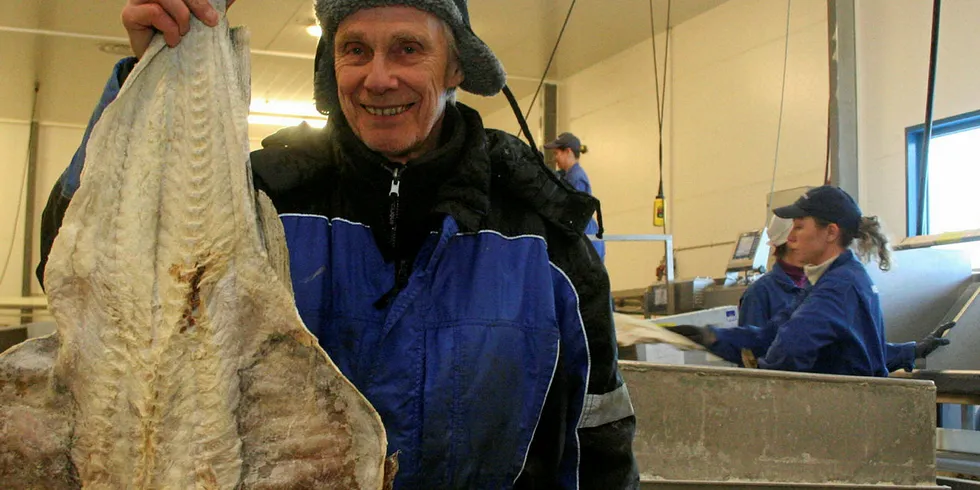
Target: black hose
522, 121
927, 133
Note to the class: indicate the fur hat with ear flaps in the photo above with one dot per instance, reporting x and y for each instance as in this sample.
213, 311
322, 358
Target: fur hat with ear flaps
482, 72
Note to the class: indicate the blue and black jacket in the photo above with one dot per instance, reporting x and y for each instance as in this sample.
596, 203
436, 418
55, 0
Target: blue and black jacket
458, 293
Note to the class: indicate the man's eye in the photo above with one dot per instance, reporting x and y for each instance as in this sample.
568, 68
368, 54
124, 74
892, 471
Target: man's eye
354, 49
411, 48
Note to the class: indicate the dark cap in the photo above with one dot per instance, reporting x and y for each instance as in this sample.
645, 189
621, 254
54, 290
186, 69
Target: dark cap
828, 203
565, 140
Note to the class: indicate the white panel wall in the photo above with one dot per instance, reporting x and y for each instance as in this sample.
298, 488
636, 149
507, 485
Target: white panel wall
612, 108
13, 140
893, 59
728, 82
57, 144
723, 107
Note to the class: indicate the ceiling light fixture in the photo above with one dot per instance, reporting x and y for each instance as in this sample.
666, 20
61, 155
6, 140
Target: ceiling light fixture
284, 121
314, 30
284, 113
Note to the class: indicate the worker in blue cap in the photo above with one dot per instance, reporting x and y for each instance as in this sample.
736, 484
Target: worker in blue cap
836, 325
779, 288
567, 149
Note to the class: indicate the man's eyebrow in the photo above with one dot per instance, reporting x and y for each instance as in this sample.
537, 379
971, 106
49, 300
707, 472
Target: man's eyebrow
350, 36
411, 37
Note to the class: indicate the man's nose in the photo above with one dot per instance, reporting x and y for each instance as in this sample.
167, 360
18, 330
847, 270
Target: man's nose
381, 77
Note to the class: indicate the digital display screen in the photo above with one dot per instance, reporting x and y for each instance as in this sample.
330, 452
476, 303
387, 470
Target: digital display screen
743, 249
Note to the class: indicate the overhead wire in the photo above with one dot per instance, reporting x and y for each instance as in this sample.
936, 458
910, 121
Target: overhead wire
779, 122
661, 96
551, 59
922, 181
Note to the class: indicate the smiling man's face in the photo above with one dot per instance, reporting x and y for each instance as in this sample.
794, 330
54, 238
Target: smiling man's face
393, 70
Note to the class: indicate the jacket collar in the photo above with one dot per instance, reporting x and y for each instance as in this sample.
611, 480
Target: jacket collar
781, 278
815, 272
454, 179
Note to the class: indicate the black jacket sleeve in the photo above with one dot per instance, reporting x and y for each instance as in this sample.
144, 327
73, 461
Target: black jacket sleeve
54, 213
607, 424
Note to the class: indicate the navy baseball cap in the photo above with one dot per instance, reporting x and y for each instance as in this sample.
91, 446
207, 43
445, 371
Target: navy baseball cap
565, 140
828, 203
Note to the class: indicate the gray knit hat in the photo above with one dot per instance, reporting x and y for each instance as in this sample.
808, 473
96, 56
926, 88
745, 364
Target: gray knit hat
482, 72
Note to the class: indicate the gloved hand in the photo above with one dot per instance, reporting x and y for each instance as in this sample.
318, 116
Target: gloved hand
933, 341
698, 335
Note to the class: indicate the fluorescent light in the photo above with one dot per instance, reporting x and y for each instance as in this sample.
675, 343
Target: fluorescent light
284, 121
285, 108
314, 30
285, 113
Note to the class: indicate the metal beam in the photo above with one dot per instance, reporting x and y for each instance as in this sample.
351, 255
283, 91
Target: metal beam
550, 121
30, 183
842, 114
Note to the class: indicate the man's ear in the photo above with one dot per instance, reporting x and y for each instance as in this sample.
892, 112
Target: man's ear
454, 76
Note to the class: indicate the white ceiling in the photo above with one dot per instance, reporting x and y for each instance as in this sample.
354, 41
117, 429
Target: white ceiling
521, 32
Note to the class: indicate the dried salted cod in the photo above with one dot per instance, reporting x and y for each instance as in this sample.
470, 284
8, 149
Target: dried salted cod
180, 360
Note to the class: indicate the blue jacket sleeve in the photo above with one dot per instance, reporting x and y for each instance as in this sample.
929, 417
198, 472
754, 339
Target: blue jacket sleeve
731, 341
810, 328
900, 356
68, 182
756, 329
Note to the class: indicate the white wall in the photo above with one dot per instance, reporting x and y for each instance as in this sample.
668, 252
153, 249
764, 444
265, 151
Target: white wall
893, 59
728, 81
723, 106
56, 145
17, 64
13, 139
612, 108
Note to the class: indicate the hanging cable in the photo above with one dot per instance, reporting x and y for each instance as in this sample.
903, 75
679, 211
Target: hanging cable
20, 197
922, 181
547, 67
826, 168
522, 121
659, 211
779, 122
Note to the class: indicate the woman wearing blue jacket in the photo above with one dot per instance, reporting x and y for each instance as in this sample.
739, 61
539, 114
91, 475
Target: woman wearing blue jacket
778, 289
835, 326
771, 297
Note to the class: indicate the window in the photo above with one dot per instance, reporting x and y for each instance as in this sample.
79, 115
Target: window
950, 198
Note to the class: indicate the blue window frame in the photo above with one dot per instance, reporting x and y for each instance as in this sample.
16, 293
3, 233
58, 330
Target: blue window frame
952, 178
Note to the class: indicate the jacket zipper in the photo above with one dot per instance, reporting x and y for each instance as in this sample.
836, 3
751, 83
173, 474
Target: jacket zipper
393, 195
403, 266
